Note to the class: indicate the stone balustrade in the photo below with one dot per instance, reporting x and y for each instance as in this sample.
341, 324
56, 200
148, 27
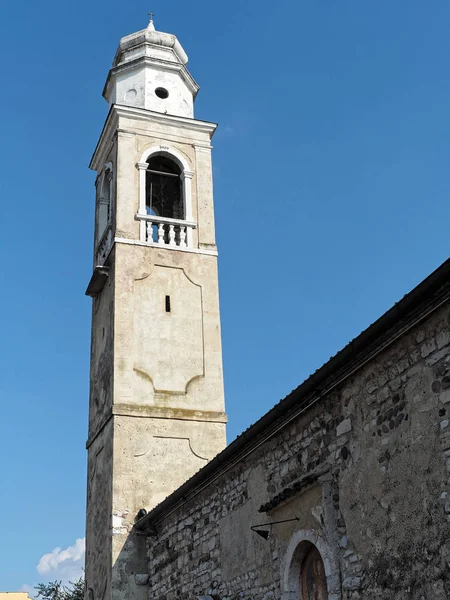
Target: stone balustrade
166, 232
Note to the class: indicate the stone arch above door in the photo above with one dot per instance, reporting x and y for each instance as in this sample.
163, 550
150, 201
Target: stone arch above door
299, 545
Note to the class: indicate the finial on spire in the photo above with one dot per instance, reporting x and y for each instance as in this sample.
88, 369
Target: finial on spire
151, 26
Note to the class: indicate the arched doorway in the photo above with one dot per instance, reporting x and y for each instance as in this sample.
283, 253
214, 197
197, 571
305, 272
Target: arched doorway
313, 583
310, 569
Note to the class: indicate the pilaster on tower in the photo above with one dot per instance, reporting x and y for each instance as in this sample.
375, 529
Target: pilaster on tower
156, 396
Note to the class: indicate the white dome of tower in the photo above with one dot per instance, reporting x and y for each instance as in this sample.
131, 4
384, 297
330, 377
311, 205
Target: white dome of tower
149, 71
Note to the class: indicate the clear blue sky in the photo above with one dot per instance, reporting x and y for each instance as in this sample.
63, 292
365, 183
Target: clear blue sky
331, 171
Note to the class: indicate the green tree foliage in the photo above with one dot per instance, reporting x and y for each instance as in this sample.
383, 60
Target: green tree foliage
56, 591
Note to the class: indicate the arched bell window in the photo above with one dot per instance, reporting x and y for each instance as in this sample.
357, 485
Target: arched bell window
164, 189
104, 201
165, 199
313, 583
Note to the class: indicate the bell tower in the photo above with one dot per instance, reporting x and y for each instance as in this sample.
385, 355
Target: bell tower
156, 412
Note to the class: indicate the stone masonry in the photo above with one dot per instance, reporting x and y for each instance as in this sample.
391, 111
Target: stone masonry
360, 463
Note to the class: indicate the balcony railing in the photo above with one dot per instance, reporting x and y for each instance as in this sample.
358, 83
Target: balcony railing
166, 232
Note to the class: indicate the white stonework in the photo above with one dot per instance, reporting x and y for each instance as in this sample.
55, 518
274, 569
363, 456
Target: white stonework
149, 71
156, 401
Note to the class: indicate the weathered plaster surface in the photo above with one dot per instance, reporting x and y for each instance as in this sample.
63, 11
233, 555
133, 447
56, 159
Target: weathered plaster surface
167, 359
101, 375
98, 517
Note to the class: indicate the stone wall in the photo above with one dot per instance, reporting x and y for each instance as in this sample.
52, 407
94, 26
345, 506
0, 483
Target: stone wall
364, 473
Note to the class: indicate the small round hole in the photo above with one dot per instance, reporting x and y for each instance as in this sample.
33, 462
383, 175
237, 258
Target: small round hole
162, 93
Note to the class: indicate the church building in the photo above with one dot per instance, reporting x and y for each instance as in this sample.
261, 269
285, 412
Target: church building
341, 491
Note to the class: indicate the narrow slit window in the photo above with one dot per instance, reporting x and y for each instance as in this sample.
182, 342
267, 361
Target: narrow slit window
168, 304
